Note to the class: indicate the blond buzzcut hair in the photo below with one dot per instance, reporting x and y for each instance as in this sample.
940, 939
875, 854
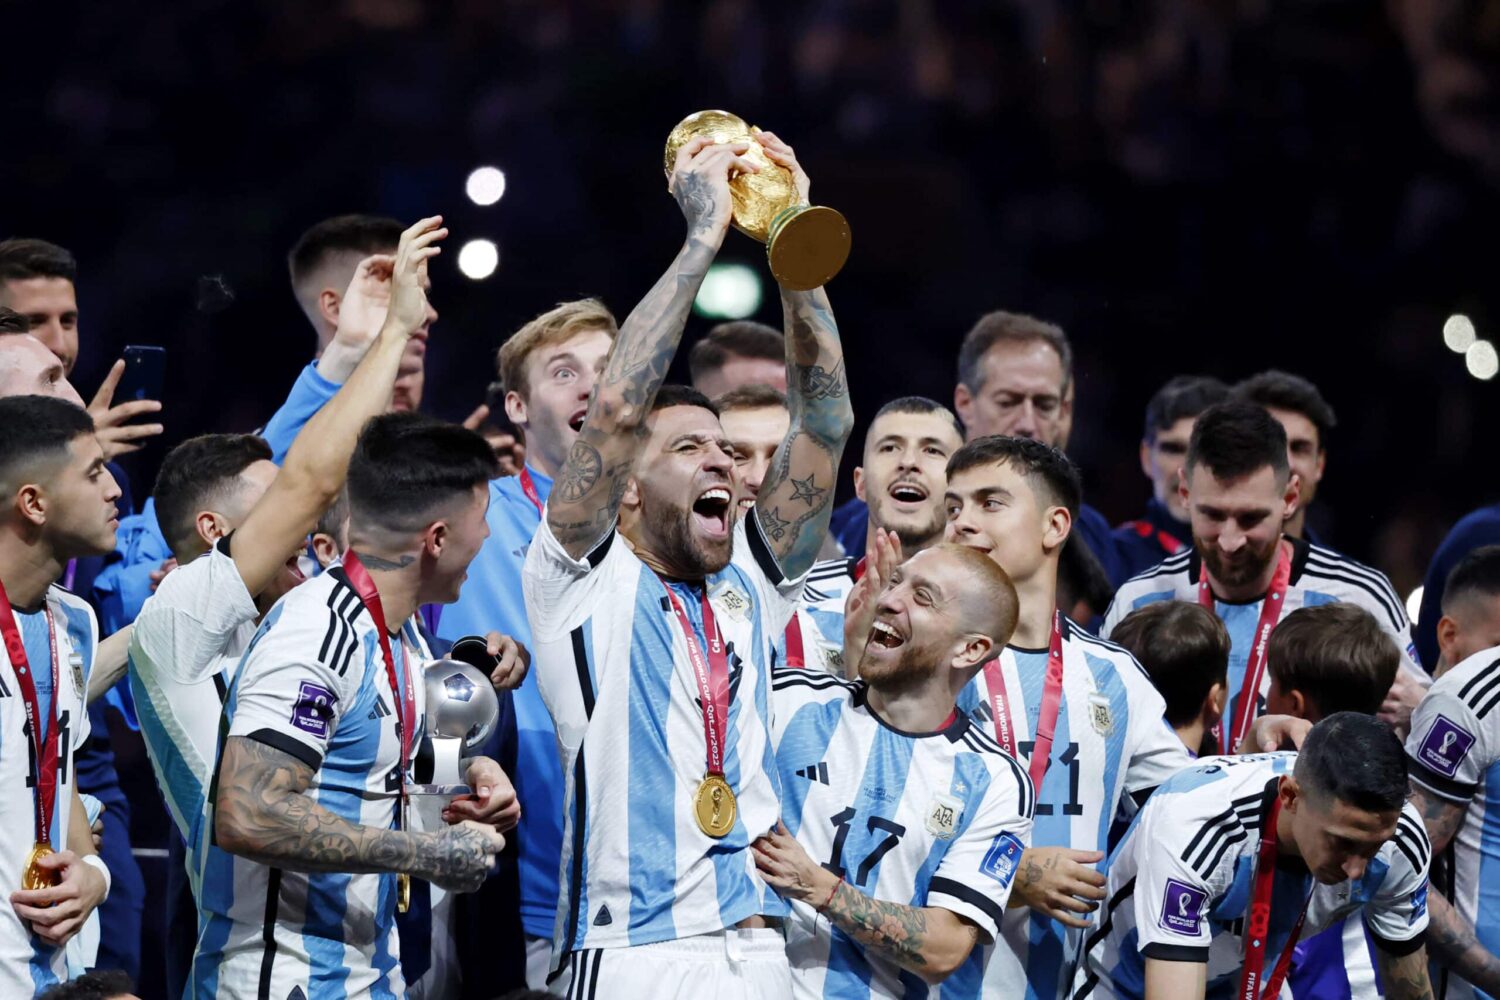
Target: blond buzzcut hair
558, 324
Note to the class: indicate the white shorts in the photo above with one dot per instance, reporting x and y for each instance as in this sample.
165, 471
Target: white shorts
539, 966
737, 964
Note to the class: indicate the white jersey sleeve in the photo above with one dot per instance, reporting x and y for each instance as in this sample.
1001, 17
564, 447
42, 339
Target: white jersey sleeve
975, 876
1397, 915
1182, 871
561, 592
188, 621
1450, 748
298, 678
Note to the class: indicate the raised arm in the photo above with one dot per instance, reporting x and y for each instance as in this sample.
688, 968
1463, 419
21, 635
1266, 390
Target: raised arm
795, 501
586, 497
262, 812
318, 462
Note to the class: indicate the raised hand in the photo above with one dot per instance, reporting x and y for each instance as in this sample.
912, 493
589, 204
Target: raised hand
882, 556
700, 183
363, 309
116, 436
779, 153
460, 857
409, 281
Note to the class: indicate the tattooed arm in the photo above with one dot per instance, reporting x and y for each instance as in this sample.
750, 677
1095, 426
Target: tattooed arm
795, 501
1441, 817
586, 497
1450, 937
927, 940
262, 812
1404, 976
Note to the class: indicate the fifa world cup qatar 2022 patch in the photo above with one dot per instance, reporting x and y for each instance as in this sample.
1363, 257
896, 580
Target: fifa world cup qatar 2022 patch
1182, 908
313, 709
1003, 858
1445, 746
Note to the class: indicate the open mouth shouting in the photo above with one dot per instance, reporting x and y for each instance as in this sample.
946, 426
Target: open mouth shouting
711, 512
907, 494
885, 635
575, 421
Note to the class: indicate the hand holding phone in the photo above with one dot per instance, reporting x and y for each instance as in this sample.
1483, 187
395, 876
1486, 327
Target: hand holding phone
137, 380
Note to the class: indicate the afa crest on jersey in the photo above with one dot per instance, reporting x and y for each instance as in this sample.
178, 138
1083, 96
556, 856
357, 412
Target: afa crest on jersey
943, 814
1099, 715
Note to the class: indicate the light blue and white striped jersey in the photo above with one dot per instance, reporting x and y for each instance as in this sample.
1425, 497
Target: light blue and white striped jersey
312, 684
1180, 882
28, 965
1454, 748
1111, 747
612, 664
924, 819
1335, 964
1319, 576
188, 639
820, 616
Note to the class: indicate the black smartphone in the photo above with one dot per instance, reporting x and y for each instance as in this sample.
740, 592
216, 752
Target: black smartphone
145, 374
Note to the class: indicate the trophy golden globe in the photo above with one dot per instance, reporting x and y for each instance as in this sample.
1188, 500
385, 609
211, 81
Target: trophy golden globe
806, 245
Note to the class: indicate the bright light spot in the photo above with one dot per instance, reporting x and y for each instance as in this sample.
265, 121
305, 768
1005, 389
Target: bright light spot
485, 185
478, 259
1414, 604
1458, 333
729, 291
1482, 361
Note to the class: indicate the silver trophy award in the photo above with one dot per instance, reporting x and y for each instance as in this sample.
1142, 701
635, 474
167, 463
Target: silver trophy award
462, 710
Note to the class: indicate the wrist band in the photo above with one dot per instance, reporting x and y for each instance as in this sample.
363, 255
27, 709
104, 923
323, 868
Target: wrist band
98, 863
831, 893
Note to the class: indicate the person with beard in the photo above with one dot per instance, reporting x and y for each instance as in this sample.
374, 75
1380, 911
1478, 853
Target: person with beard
653, 613
236, 526
548, 369
60, 506
901, 478
1239, 490
1079, 713
912, 878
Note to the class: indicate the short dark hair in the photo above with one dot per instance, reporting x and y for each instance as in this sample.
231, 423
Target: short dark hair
199, 473
751, 397
361, 234
1048, 470
673, 394
1185, 650
1477, 574
408, 464
742, 338
13, 322
1183, 397
1337, 655
1355, 758
333, 520
29, 258
919, 404
1234, 439
1015, 328
1286, 391
98, 985
34, 429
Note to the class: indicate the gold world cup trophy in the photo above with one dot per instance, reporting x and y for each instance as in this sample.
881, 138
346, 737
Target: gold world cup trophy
806, 245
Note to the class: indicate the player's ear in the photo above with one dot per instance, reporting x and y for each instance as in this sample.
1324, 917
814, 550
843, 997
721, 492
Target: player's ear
515, 408
859, 481
1298, 702
1057, 529
1213, 703
211, 527
1290, 792
631, 498
325, 549
435, 538
1293, 494
31, 503
1447, 635
963, 404
972, 650
1146, 459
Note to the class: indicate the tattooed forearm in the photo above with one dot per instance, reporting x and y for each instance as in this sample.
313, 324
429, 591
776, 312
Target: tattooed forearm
895, 932
262, 813
1405, 976
1455, 946
1442, 818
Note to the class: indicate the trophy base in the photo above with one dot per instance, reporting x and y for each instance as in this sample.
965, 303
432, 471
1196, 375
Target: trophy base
807, 247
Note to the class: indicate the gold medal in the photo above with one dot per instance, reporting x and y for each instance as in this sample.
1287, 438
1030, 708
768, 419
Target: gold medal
714, 806
35, 876
403, 892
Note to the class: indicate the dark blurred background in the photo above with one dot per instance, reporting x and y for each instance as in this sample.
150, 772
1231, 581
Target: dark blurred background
1200, 186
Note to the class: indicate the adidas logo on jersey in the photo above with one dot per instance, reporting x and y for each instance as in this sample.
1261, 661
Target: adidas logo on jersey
815, 772
381, 709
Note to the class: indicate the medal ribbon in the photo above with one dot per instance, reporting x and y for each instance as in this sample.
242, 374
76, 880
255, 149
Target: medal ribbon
404, 695
1046, 723
1255, 665
712, 675
44, 750
1259, 923
796, 655
528, 486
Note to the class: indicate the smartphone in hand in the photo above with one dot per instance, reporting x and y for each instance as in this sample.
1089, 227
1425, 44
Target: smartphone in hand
145, 374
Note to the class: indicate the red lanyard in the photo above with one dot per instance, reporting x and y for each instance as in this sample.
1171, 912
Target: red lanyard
529, 488
44, 749
1259, 924
796, 655
712, 675
1046, 723
403, 694
1255, 664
